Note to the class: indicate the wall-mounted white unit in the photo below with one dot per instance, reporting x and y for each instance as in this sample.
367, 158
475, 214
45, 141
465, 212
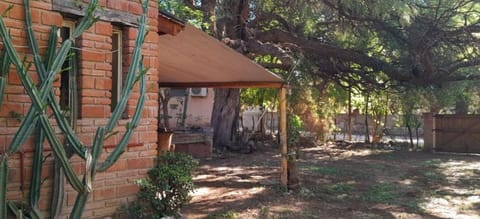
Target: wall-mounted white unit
198, 92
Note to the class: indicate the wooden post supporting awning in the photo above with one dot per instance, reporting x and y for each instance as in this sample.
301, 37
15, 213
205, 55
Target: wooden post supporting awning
191, 58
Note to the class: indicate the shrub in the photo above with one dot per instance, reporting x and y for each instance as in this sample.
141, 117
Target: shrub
166, 188
294, 128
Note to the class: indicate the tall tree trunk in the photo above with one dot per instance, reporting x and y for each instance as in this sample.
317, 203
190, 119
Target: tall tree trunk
367, 131
231, 18
164, 97
416, 135
224, 115
461, 106
410, 134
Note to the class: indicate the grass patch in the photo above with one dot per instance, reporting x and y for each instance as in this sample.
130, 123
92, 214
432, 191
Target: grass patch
330, 192
341, 188
413, 206
224, 215
433, 176
381, 193
325, 170
389, 156
431, 163
339, 172
279, 189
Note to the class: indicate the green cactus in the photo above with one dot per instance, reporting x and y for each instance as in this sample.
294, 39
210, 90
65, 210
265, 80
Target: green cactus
43, 97
3, 185
36, 181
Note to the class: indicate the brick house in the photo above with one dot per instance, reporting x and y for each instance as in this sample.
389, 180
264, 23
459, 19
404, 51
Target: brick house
104, 55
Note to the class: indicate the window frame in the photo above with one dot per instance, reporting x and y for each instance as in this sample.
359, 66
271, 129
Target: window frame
69, 101
117, 67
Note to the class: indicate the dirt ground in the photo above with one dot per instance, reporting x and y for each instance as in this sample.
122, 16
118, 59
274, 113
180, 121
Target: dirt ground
339, 181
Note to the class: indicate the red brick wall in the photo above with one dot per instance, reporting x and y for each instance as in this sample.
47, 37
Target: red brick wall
115, 186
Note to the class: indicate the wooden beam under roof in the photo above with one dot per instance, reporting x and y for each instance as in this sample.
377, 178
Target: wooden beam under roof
243, 84
169, 24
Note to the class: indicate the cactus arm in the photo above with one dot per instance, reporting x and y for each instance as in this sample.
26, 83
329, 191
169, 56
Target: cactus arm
81, 200
79, 205
97, 150
27, 81
32, 91
73, 96
36, 181
4, 66
3, 185
129, 81
32, 41
41, 67
50, 53
120, 148
30, 120
58, 191
91, 162
60, 154
26, 127
88, 20
2, 88
59, 151
50, 60
16, 211
72, 139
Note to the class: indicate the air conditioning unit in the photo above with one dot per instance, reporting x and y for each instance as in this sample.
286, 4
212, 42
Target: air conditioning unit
198, 92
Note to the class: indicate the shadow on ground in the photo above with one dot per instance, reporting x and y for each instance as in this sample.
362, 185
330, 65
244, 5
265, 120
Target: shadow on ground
339, 182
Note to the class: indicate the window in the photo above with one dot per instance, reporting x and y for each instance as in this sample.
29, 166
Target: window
68, 81
117, 73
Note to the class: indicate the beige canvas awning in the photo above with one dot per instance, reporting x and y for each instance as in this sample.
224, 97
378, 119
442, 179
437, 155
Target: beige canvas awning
194, 59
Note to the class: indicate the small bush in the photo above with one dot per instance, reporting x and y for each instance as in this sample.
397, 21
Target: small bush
167, 186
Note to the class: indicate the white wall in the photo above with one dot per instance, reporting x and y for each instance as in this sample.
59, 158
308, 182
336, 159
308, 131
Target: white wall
199, 110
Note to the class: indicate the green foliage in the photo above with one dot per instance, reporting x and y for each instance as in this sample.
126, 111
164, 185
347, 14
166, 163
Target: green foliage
3, 186
381, 193
180, 10
133, 210
340, 188
259, 97
225, 215
294, 126
166, 189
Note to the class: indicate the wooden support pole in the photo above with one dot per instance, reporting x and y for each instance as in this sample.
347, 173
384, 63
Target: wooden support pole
349, 114
283, 137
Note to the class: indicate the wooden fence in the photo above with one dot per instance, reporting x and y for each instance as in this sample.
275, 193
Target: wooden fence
456, 133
